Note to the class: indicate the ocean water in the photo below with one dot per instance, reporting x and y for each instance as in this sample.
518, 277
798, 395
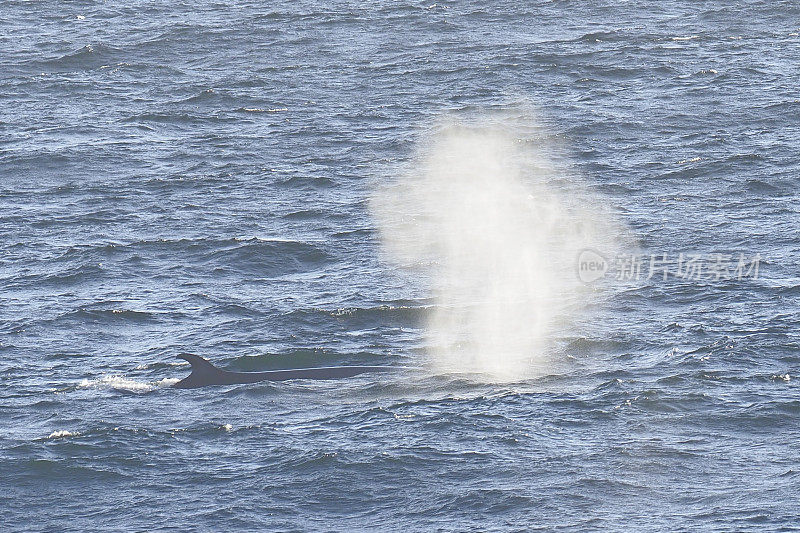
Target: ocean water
201, 176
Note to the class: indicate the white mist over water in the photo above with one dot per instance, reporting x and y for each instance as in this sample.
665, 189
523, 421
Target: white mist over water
498, 231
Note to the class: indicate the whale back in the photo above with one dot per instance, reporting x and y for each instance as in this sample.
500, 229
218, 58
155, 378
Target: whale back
204, 373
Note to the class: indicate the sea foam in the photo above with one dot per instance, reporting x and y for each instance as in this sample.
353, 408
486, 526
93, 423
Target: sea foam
115, 382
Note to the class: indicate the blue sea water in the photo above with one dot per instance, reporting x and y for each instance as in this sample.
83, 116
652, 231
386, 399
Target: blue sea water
195, 176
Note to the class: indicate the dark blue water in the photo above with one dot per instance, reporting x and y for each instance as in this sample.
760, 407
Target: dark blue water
196, 177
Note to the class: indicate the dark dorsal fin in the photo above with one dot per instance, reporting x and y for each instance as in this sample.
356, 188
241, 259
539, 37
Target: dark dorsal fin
202, 374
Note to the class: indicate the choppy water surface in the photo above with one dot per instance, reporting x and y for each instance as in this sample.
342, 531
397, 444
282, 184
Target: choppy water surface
196, 177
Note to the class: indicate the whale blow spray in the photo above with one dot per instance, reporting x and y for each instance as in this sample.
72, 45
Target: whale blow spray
497, 231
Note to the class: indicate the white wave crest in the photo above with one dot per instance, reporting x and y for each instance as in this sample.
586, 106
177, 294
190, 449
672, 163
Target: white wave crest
62, 433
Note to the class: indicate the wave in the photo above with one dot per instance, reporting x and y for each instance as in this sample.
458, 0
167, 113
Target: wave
271, 258
253, 255
180, 118
62, 433
411, 314
599, 36
109, 314
67, 277
89, 57
762, 187
262, 110
308, 182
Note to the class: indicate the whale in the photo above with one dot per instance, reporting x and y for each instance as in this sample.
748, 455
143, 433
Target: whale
205, 374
